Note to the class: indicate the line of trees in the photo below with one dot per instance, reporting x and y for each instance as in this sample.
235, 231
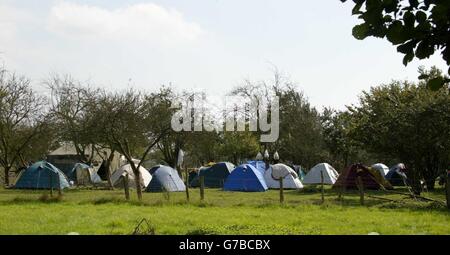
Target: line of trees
398, 122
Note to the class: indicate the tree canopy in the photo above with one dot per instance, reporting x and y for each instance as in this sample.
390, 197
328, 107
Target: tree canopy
417, 28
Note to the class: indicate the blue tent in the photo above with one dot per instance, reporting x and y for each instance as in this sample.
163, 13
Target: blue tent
214, 175
165, 178
245, 178
42, 175
258, 164
397, 175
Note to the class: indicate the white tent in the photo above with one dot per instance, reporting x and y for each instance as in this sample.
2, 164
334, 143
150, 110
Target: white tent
330, 175
85, 174
382, 168
290, 177
145, 176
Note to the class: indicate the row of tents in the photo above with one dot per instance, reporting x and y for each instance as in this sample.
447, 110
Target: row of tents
255, 176
251, 176
44, 175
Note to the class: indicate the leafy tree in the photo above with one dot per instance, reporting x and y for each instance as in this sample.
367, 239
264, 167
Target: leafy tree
409, 122
301, 138
204, 147
417, 28
238, 146
337, 127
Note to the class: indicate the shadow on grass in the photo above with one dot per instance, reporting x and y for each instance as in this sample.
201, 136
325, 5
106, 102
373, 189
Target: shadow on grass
44, 198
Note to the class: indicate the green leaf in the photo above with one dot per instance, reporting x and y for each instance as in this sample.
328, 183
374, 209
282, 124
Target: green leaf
357, 9
421, 16
406, 48
435, 83
360, 31
409, 19
395, 33
424, 50
414, 3
408, 58
423, 76
390, 5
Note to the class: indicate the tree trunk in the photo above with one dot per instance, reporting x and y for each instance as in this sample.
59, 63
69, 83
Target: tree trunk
7, 169
137, 179
108, 169
414, 180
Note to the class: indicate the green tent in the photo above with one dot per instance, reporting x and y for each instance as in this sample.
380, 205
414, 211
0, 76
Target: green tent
42, 175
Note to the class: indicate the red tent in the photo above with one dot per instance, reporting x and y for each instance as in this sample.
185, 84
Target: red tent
371, 178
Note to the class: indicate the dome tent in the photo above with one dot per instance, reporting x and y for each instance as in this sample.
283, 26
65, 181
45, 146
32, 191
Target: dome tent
165, 178
85, 175
42, 175
330, 175
145, 176
381, 167
397, 175
371, 178
214, 175
290, 177
245, 178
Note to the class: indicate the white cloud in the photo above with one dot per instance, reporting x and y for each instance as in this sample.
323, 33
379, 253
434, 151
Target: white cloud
143, 22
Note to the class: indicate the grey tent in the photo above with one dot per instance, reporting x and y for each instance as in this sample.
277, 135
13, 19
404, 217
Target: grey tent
165, 178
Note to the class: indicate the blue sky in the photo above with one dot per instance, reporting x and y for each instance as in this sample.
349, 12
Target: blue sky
209, 45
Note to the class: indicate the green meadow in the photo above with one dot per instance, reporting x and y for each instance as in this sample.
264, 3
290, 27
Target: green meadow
90, 211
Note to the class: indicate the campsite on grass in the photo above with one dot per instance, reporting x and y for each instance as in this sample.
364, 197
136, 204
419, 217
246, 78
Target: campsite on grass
225, 117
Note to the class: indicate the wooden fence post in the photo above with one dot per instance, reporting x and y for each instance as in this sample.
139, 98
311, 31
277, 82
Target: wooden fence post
281, 191
202, 187
361, 190
59, 186
321, 181
186, 173
51, 184
125, 186
447, 186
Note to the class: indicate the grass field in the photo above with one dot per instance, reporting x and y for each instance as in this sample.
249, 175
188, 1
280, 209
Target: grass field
107, 212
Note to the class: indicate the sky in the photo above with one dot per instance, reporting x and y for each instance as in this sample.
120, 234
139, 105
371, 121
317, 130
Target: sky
202, 45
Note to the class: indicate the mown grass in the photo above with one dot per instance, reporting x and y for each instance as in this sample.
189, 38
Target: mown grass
106, 212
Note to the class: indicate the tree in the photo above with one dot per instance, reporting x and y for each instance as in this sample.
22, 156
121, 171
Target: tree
238, 146
417, 28
69, 111
344, 150
170, 144
409, 122
22, 118
132, 123
300, 140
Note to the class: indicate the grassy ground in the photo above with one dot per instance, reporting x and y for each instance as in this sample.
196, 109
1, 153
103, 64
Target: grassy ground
107, 212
